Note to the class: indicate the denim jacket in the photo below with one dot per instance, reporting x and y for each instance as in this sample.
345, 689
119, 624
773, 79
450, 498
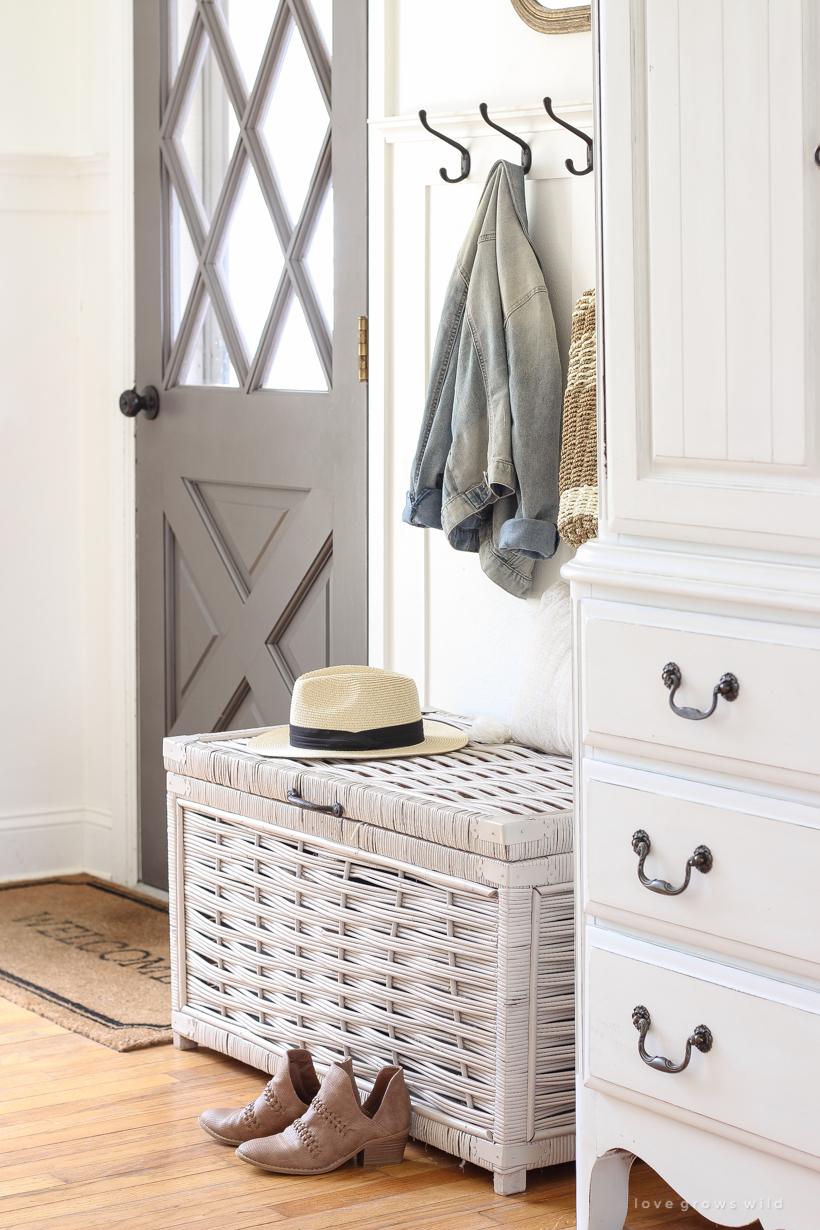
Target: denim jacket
487, 461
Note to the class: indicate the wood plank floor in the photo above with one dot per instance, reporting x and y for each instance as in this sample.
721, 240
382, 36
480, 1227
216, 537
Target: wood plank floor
90, 1138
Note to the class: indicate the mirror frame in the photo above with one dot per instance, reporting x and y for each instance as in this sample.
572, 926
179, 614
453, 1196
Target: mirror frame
553, 21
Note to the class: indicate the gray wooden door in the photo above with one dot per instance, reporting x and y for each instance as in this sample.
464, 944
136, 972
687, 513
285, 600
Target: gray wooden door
250, 277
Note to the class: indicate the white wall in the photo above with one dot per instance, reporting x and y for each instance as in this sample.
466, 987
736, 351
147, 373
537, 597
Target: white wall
433, 613
67, 788
67, 661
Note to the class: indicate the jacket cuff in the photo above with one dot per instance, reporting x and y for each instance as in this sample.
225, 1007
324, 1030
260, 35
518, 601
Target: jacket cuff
463, 539
423, 508
530, 538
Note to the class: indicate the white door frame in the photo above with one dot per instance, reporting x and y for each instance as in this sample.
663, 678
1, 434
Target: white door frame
122, 500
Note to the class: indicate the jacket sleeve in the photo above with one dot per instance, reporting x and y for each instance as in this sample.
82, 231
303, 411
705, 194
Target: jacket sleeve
423, 506
535, 410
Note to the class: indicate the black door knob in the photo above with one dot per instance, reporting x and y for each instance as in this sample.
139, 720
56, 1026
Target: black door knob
131, 402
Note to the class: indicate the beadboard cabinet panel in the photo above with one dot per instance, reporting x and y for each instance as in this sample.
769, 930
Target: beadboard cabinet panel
711, 269
717, 290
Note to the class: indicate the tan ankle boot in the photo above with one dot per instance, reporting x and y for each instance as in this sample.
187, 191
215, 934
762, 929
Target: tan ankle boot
335, 1128
284, 1098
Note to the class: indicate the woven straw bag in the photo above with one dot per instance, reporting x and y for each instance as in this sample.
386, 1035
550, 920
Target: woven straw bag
578, 479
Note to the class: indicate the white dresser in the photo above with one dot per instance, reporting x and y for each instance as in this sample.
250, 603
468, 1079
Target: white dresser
698, 843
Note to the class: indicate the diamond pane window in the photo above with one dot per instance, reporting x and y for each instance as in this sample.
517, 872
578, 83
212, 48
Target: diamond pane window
250, 211
209, 362
183, 265
249, 23
323, 12
209, 133
296, 364
251, 261
295, 124
320, 258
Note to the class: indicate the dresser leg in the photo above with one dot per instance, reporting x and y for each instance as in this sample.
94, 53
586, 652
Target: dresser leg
510, 1182
603, 1191
184, 1044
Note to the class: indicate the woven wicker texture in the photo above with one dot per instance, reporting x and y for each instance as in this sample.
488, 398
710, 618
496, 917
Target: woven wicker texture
553, 21
441, 799
354, 698
578, 478
295, 942
552, 854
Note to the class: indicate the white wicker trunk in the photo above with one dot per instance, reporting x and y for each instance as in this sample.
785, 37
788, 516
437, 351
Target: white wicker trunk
430, 926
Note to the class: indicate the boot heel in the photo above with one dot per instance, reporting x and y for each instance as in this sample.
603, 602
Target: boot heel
385, 1152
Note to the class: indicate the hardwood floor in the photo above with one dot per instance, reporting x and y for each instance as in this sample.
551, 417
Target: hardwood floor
90, 1138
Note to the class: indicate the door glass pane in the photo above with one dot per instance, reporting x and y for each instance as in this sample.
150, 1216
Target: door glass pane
251, 261
295, 124
209, 362
181, 20
249, 23
295, 362
208, 133
183, 265
320, 258
323, 12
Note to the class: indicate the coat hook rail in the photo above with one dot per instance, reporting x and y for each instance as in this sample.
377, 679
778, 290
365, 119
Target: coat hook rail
465, 153
526, 152
569, 164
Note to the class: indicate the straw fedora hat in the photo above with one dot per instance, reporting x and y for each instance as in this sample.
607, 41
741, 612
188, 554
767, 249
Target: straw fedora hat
356, 713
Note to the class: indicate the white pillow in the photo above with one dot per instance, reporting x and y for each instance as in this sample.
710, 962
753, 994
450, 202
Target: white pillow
541, 715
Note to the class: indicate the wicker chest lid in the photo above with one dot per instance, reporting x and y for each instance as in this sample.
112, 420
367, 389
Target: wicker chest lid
507, 801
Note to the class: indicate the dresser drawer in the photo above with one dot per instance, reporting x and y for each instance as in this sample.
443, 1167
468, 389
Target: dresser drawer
774, 723
762, 886
761, 1073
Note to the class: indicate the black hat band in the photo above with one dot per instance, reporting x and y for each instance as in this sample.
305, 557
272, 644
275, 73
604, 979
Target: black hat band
376, 740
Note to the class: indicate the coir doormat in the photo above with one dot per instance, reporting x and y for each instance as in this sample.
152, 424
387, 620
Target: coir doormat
90, 956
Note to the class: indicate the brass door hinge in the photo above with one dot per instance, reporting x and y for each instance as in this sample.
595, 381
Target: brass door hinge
362, 348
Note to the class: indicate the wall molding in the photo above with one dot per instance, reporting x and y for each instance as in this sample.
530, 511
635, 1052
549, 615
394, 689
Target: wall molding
32, 817
523, 120
75, 208
52, 183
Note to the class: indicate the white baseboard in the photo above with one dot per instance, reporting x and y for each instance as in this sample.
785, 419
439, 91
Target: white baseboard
60, 842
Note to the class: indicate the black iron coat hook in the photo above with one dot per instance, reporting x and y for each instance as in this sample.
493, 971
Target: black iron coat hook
465, 153
526, 152
569, 164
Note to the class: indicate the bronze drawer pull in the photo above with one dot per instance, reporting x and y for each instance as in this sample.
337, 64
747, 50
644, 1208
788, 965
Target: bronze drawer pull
701, 1037
701, 859
294, 797
728, 687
